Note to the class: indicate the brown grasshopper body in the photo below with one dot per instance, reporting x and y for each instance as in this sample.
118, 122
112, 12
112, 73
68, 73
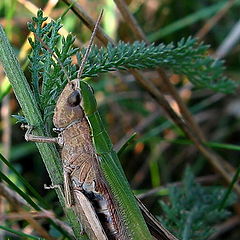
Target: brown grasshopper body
85, 188
81, 163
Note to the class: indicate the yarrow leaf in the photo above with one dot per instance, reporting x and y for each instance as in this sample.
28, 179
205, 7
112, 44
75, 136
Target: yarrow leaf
187, 57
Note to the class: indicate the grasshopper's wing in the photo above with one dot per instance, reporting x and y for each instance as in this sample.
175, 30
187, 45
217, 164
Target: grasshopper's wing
111, 220
155, 227
88, 217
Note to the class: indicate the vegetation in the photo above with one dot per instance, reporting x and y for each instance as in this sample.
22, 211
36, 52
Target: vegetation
176, 70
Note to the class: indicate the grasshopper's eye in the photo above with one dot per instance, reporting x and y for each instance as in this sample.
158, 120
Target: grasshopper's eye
74, 99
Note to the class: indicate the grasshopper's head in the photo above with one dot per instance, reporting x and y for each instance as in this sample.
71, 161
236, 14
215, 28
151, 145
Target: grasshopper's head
68, 107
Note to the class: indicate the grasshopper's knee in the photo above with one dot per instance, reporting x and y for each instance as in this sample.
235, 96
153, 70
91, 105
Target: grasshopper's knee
51, 187
29, 129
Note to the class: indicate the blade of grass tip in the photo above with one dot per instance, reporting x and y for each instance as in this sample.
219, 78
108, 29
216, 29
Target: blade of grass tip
223, 146
21, 234
24, 182
129, 141
68, 8
186, 21
155, 173
155, 131
230, 188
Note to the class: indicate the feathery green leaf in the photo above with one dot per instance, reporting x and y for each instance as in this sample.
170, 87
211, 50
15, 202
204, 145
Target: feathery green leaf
194, 209
187, 57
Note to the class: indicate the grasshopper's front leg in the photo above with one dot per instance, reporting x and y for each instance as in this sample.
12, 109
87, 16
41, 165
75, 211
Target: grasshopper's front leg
42, 139
32, 138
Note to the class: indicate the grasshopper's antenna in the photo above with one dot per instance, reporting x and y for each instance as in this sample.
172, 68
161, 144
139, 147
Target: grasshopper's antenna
85, 57
54, 55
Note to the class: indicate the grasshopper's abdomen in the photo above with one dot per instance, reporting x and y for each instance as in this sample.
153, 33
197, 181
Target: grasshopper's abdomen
82, 163
106, 213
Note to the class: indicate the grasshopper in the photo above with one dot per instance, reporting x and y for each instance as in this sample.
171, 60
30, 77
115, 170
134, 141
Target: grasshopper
93, 177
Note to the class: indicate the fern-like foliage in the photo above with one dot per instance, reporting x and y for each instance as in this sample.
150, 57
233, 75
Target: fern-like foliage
194, 209
48, 77
187, 57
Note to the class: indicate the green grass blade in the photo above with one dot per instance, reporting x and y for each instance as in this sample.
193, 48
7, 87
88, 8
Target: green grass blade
21, 234
24, 182
42, 202
230, 188
19, 191
129, 141
223, 146
209, 144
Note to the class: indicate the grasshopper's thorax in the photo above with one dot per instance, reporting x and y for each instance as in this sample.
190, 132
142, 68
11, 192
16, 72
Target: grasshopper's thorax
68, 109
